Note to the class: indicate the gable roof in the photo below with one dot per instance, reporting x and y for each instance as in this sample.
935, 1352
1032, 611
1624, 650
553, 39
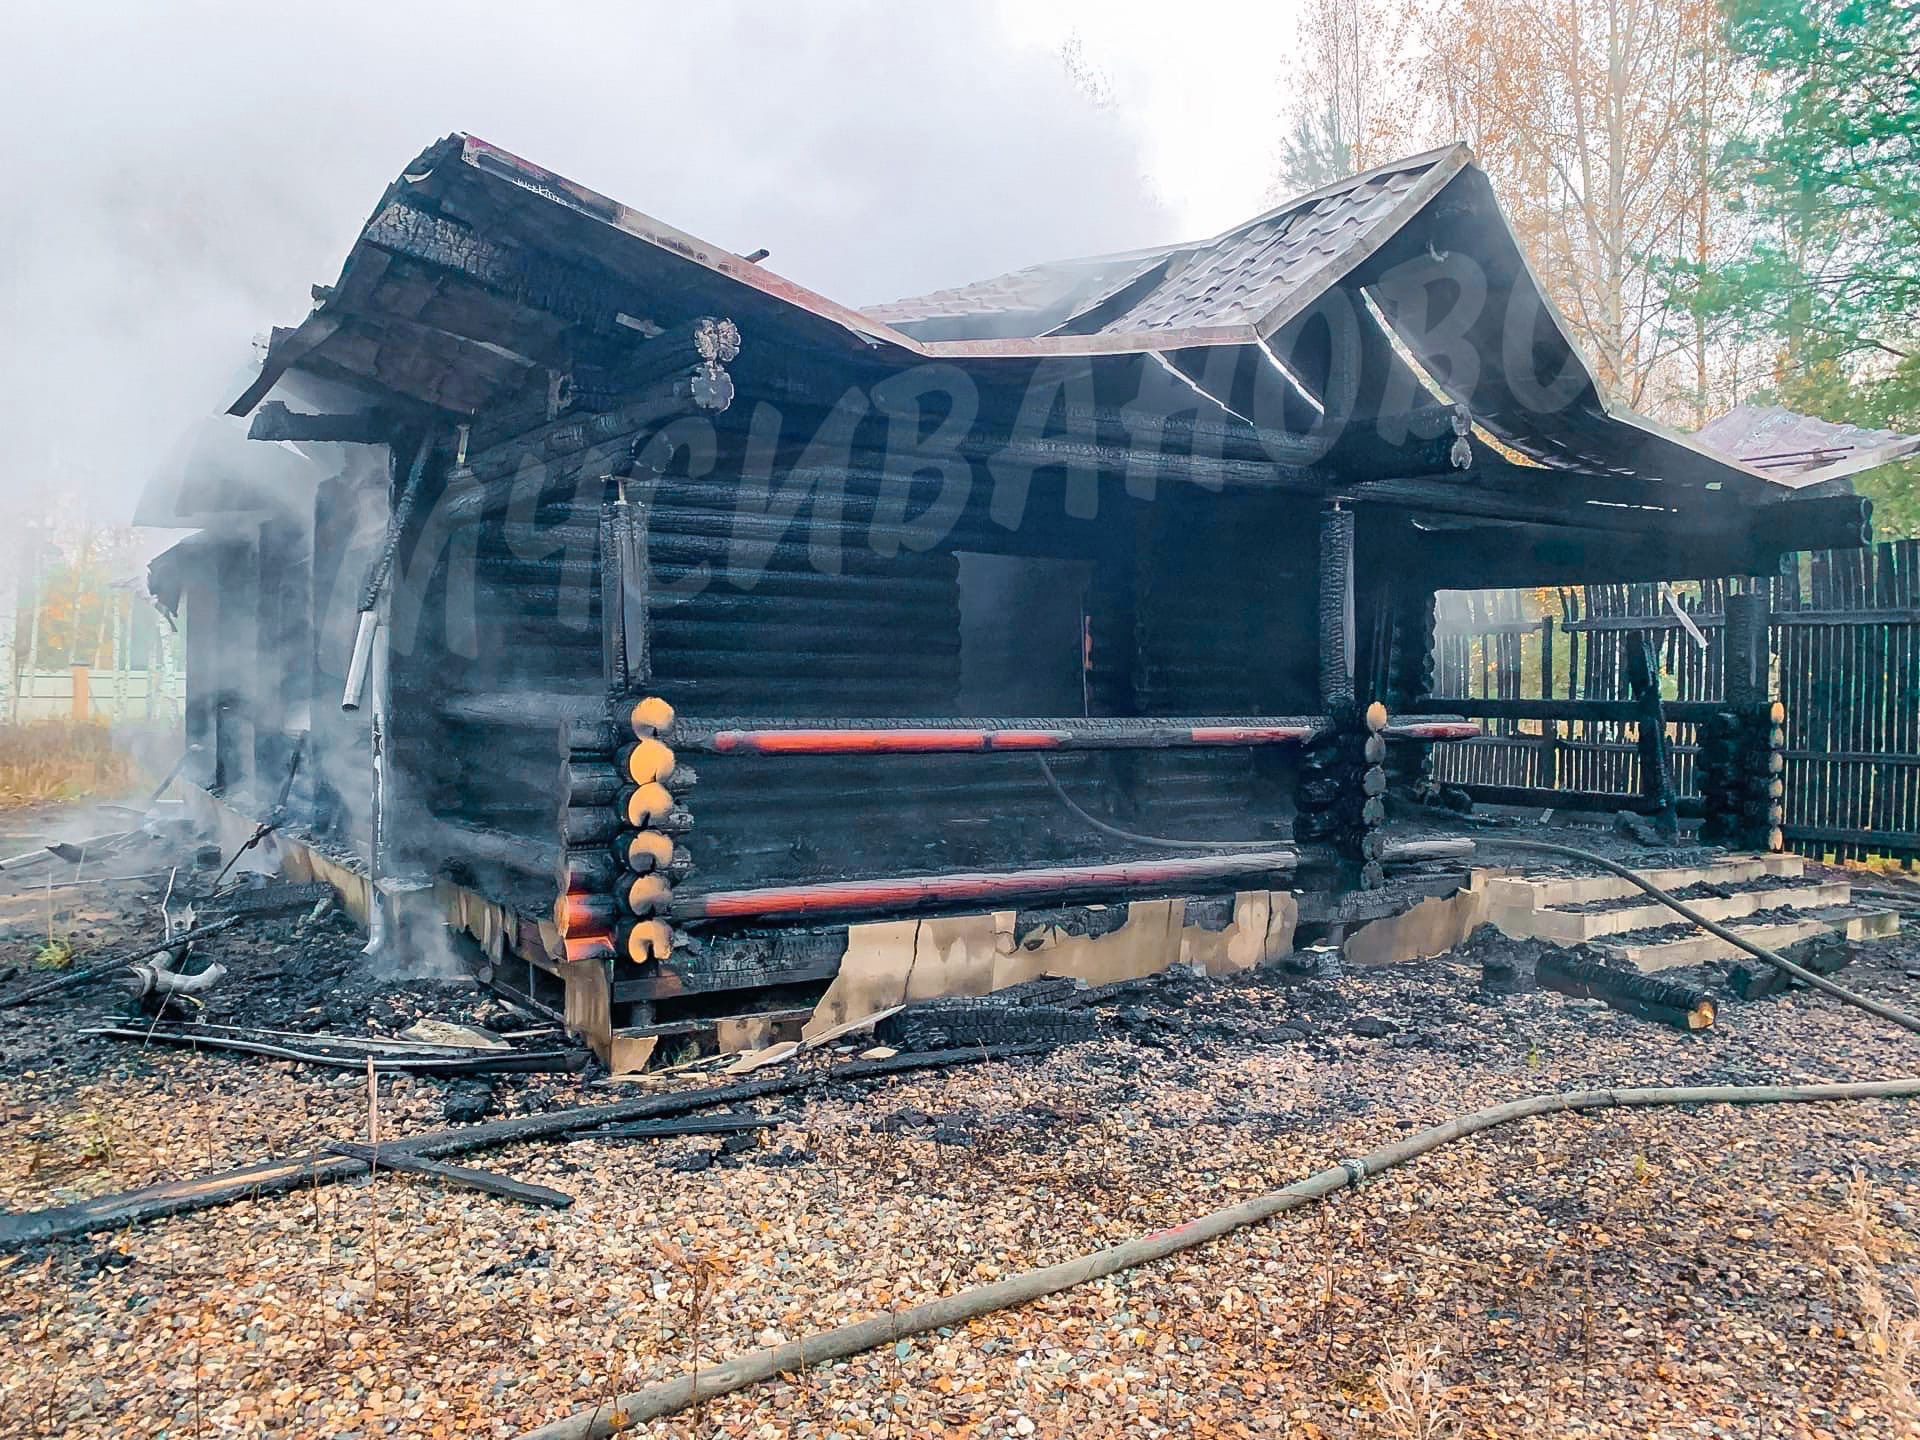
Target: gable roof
477, 264
1251, 277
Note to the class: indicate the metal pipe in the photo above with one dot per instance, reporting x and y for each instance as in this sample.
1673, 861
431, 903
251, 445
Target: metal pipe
361, 659
377, 739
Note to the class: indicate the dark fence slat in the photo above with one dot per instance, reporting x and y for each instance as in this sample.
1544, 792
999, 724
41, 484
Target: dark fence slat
1846, 647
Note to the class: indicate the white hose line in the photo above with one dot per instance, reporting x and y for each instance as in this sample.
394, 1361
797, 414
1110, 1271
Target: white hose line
852, 1339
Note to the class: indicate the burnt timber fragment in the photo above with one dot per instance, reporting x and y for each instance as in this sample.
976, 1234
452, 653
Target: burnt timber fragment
1666, 1002
796, 587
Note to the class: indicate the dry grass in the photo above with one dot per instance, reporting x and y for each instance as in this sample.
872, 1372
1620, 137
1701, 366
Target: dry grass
51, 760
1856, 1252
1413, 1401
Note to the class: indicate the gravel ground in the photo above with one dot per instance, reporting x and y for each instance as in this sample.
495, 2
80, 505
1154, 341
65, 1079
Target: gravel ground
1712, 1272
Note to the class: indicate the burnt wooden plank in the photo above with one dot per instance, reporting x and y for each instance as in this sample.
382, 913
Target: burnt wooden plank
485, 1181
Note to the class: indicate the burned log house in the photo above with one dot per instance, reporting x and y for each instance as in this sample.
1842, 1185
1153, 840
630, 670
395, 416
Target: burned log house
704, 648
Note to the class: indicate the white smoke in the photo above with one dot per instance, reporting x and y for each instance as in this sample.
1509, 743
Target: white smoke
179, 174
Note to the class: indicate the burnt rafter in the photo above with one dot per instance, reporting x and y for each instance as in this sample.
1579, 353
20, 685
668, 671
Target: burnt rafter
539, 282
274, 421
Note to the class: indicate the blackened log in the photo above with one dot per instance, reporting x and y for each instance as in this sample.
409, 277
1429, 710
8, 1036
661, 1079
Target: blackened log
908, 894
1748, 657
1688, 711
590, 869
687, 1125
1815, 522
490, 479
1684, 1007
464, 840
588, 825
1656, 766
591, 783
1416, 852
485, 1181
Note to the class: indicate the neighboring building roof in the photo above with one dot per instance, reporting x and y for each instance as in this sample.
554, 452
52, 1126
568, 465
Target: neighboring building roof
478, 268
1801, 450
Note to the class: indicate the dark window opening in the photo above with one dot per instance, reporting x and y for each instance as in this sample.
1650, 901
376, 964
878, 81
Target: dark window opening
1023, 635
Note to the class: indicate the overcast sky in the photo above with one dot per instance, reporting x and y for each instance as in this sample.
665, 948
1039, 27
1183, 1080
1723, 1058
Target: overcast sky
180, 173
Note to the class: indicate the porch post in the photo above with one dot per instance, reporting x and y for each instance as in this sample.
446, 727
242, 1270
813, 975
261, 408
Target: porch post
1342, 789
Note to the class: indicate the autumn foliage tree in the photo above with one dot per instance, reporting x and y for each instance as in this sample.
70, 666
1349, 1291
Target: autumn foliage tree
1603, 124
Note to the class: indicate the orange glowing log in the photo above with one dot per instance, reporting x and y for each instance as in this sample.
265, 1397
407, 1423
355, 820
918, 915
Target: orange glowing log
585, 914
920, 892
1433, 730
578, 949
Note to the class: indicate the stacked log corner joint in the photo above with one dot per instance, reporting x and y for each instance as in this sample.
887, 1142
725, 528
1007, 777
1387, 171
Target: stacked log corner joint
620, 860
1742, 777
1343, 787
1742, 763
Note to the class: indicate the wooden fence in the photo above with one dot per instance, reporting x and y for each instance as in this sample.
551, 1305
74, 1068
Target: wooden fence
1845, 640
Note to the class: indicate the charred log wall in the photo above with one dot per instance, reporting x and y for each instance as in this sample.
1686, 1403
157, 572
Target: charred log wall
1197, 603
496, 639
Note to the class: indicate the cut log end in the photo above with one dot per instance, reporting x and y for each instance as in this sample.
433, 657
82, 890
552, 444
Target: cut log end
649, 717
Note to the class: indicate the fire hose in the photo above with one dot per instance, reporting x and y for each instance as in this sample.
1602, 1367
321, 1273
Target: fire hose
672, 1396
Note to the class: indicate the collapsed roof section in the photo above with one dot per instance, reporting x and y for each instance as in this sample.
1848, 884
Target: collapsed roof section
481, 276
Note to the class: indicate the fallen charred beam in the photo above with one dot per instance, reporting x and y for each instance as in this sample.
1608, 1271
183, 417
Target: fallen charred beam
270, 899
176, 1197
1823, 955
1647, 996
76, 978
924, 892
484, 1181
688, 1125
490, 1063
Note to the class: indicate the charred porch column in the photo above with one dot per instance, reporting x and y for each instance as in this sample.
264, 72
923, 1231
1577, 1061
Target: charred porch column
1410, 680
1742, 768
1342, 781
1656, 757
